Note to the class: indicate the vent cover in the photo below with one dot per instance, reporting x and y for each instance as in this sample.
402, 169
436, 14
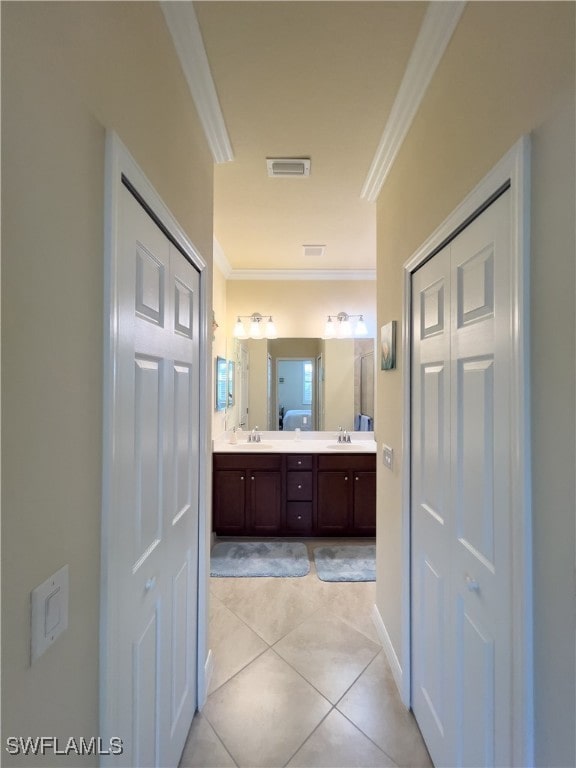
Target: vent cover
312, 251
288, 166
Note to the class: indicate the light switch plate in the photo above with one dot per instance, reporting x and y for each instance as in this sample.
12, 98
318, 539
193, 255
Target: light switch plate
387, 456
49, 612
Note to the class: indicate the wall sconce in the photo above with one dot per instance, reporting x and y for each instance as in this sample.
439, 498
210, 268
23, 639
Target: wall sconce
259, 327
340, 326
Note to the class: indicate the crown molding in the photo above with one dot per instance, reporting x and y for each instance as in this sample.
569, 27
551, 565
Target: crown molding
183, 26
437, 28
302, 274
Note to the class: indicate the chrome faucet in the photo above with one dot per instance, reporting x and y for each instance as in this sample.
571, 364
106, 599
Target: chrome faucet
343, 436
254, 436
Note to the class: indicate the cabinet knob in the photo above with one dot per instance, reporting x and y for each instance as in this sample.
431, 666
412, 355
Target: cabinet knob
299, 517
241, 477
299, 462
346, 478
299, 487
356, 478
252, 478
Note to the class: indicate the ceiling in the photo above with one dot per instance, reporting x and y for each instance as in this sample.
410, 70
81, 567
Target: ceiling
303, 79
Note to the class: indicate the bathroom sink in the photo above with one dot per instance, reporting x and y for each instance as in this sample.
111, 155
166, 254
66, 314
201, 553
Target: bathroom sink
255, 446
347, 447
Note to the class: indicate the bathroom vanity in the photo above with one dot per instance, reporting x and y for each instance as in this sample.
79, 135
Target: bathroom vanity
311, 487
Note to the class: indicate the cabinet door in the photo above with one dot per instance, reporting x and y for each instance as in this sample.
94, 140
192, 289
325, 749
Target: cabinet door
265, 494
229, 501
364, 509
334, 496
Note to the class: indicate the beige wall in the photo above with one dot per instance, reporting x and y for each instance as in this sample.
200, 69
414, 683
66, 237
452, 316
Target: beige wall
300, 307
509, 70
69, 71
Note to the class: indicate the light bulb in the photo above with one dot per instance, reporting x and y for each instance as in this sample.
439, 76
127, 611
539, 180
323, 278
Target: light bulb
239, 332
329, 329
271, 329
361, 329
255, 330
344, 329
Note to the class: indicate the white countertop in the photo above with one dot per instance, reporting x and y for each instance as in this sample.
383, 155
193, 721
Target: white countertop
292, 442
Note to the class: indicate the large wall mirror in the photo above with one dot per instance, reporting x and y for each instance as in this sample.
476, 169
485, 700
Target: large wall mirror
304, 383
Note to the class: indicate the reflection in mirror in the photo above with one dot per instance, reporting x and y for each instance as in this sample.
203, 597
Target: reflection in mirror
231, 383
306, 383
221, 379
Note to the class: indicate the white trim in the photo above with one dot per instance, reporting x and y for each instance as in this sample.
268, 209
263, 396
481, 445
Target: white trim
439, 23
513, 167
388, 649
183, 26
120, 163
220, 259
302, 274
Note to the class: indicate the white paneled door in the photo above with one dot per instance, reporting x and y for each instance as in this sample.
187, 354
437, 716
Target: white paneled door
151, 689
462, 331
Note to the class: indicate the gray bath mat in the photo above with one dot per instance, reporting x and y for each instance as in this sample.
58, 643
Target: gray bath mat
259, 558
347, 562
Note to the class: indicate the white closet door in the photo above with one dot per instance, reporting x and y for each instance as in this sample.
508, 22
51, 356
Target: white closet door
156, 467
462, 563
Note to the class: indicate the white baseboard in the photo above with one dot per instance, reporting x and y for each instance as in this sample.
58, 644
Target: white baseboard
393, 659
208, 670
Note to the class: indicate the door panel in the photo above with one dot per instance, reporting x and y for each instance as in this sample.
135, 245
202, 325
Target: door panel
157, 462
144, 698
461, 465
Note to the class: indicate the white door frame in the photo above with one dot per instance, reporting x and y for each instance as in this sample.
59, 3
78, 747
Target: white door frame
120, 164
513, 169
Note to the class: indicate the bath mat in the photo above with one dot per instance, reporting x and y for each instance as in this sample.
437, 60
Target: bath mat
259, 558
347, 562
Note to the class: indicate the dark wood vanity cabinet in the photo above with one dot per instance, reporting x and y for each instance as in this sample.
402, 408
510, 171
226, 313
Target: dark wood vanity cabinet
247, 498
294, 494
346, 502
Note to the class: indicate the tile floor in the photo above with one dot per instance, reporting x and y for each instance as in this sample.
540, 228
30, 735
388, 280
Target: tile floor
300, 679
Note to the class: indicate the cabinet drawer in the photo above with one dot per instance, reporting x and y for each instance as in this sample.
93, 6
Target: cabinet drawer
247, 461
299, 486
350, 461
299, 516
295, 461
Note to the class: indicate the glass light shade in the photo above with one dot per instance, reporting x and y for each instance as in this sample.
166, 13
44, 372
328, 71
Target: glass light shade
329, 329
361, 329
239, 331
271, 329
344, 329
255, 330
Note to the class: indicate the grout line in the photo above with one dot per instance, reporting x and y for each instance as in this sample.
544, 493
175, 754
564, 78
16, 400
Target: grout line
389, 756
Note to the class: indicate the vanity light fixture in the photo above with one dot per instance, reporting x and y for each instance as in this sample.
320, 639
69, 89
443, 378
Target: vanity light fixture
340, 326
259, 327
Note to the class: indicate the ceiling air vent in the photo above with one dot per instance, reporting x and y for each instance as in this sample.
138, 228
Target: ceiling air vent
312, 251
288, 166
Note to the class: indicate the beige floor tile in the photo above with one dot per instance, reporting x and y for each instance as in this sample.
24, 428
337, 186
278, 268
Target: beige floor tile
265, 712
203, 747
233, 644
327, 652
336, 743
271, 607
373, 705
